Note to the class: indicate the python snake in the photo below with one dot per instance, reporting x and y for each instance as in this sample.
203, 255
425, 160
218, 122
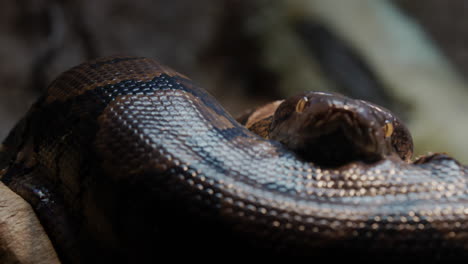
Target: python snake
124, 159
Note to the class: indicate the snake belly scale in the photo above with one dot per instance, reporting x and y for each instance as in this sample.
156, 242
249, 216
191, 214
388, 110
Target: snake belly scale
127, 158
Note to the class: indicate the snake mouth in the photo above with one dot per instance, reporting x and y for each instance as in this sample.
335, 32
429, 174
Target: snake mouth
337, 139
332, 131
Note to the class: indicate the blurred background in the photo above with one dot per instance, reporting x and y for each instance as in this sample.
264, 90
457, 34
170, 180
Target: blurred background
409, 56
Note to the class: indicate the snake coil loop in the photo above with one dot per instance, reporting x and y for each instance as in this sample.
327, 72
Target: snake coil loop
129, 159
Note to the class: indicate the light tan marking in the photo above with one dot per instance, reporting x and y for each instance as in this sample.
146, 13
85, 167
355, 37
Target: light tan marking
262, 113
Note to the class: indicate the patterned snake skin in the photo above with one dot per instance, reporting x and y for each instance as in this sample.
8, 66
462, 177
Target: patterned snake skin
126, 160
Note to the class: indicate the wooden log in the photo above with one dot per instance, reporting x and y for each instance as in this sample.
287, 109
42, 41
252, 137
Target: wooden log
22, 238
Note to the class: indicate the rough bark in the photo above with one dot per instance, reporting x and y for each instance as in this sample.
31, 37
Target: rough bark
22, 238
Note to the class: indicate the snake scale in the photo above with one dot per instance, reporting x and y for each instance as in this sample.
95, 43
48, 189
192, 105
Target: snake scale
125, 160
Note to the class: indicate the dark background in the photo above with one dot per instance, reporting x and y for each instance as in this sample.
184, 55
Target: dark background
250, 52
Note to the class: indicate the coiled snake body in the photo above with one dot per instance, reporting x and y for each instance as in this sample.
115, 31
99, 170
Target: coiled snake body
126, 158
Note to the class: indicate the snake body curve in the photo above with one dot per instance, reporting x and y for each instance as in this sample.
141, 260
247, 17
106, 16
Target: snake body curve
129, 159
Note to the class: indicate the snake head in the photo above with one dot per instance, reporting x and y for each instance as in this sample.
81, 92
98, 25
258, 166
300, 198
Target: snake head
331, 129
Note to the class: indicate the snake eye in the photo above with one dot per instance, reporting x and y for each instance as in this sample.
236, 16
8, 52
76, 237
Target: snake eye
301, 104
388, 128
